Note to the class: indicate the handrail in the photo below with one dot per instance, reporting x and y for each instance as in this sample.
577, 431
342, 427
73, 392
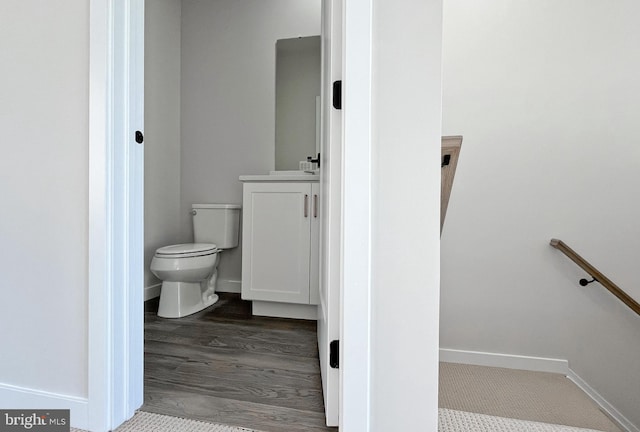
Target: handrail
596, 274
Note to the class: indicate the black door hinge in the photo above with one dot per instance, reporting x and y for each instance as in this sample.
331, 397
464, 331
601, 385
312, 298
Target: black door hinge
445, 160
334, 354
139, 137
337, 94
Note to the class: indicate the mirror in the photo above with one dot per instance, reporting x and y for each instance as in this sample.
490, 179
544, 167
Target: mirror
297, 101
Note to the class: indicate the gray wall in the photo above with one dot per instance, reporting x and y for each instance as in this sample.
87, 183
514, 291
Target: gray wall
228, 97
44, 207
162, 129
547, 97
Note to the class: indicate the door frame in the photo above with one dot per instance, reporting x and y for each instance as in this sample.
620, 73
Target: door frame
116, 203
115, 345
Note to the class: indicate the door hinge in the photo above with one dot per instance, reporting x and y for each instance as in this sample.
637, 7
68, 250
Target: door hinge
334, 354
139, 137
337, 94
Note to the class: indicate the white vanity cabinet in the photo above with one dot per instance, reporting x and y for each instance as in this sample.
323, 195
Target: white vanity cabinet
280, 247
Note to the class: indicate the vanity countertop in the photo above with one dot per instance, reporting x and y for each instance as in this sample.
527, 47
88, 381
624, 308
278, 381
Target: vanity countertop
285, 177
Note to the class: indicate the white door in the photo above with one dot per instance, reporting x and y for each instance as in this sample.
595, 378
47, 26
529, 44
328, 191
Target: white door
330, 207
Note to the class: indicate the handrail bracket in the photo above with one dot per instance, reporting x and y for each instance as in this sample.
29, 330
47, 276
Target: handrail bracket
596, 275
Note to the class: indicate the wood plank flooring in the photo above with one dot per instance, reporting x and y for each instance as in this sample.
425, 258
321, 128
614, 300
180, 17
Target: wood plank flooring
227, 366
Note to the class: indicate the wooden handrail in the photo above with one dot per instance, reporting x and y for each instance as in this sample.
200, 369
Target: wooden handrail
596, 274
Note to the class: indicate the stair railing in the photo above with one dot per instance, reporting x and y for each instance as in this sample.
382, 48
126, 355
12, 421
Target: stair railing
596, 275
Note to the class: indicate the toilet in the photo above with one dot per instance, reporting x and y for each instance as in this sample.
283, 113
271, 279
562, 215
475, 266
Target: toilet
189, 271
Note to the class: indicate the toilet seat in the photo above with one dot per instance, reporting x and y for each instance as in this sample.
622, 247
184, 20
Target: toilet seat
186, 250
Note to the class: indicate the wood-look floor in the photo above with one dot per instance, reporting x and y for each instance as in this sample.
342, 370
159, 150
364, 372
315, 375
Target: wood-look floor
227, 366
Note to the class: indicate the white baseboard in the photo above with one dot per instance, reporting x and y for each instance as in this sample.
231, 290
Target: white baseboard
229, 285
14, 397
152, 291
536, 364
223, 285
509, 361
609, 409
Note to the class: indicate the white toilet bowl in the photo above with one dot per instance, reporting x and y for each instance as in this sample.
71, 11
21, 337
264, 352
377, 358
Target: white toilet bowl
188, 273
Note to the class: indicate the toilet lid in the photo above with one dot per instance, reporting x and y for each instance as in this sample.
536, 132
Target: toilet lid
189, 249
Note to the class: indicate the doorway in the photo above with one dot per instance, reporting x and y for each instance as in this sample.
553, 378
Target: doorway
115, 219
212, 76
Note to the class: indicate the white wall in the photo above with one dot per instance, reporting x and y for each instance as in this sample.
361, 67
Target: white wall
547, 97
43, 210
162, 129
406, 97
228, 97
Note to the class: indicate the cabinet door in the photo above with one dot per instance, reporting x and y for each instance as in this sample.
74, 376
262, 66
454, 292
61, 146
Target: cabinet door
276, 241
314, 252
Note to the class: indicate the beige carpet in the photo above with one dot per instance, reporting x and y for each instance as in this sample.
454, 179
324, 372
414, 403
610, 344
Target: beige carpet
148, 422
534, 396
448, 421
460, 421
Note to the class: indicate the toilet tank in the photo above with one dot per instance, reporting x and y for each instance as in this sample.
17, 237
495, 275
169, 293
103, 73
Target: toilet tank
216, 223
